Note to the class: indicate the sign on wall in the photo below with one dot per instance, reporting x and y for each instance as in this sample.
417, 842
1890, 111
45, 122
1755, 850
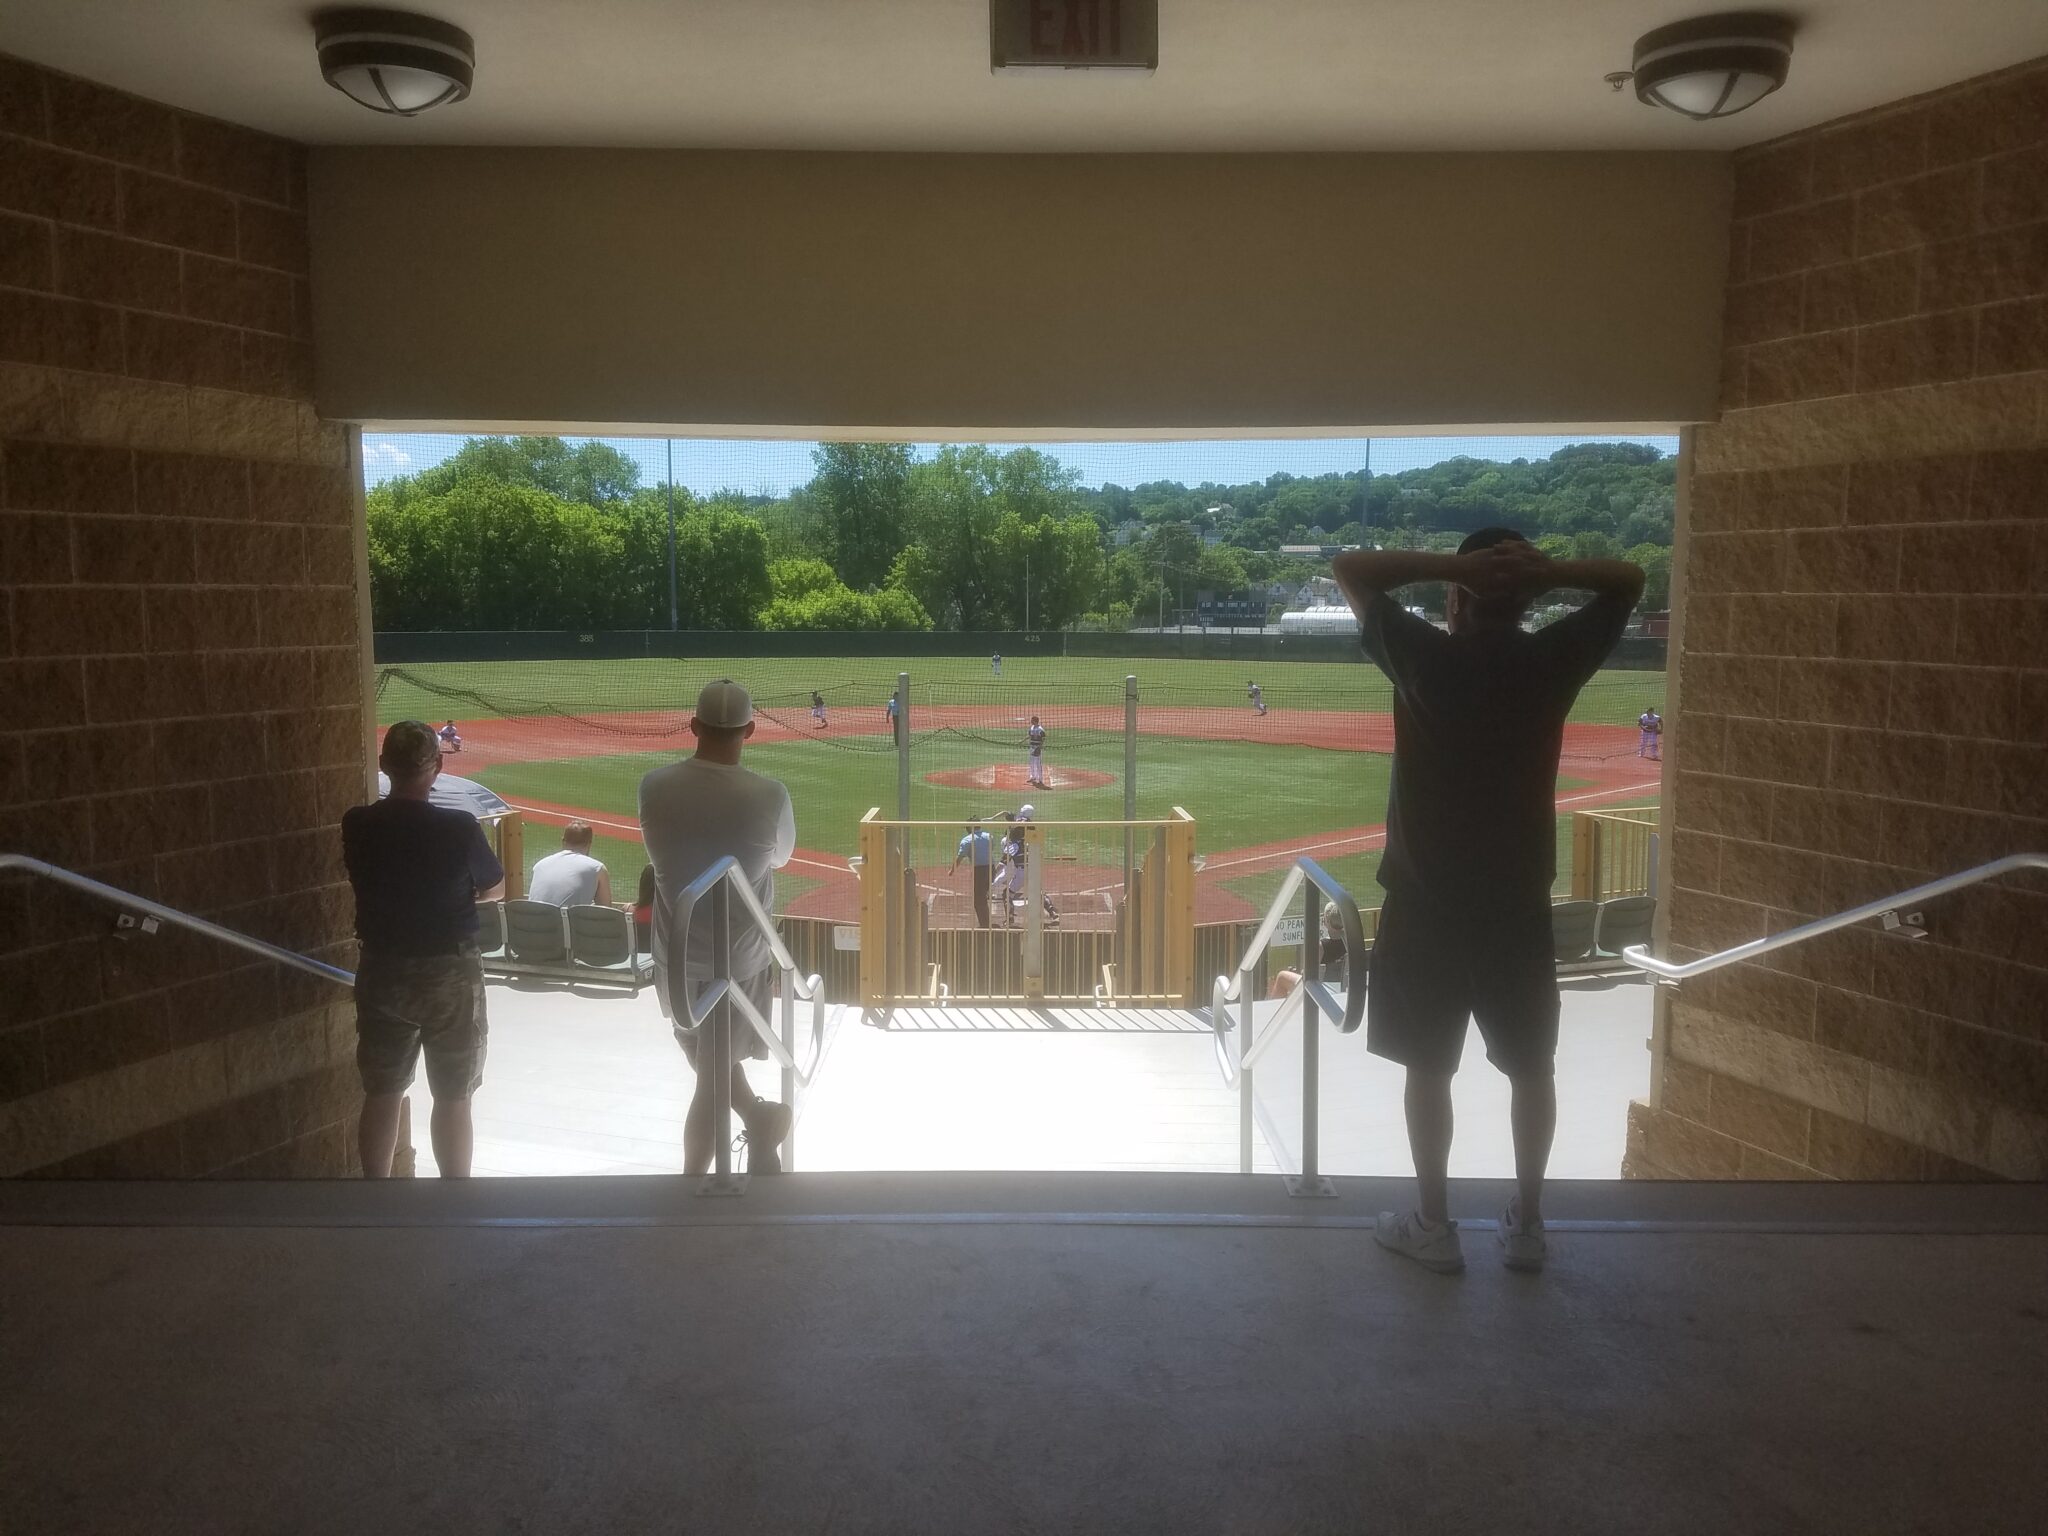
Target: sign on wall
1073, 34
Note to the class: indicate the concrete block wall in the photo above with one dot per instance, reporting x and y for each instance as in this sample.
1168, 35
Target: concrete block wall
1863, 694
179, 656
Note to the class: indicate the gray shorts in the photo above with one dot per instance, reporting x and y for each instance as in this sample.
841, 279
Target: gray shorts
406, 1004
746, 1044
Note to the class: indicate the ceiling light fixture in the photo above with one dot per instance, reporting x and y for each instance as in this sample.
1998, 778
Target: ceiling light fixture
1711, 66
392, 61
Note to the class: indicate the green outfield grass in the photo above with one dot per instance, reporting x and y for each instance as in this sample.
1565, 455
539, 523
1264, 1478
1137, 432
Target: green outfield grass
1241, 793
465, 689
832, 789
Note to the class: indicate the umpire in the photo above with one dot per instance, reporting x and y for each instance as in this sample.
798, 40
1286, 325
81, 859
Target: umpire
418, 871
975, 847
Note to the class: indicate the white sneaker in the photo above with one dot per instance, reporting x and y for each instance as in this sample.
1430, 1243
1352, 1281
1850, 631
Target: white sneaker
1407, 1234
1522, 1246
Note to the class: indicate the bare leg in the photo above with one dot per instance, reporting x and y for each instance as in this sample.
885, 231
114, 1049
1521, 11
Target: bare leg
1427, 1100
377, 1133
454, 1136
1534, 1116
697, 1147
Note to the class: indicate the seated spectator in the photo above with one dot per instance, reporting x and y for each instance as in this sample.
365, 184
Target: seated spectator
572, 878
643, 912
1329, 957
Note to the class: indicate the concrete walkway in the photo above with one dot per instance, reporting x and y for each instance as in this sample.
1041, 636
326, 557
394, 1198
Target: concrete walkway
840, 1355
588, 1083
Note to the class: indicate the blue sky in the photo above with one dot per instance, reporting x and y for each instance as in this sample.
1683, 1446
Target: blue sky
759, 466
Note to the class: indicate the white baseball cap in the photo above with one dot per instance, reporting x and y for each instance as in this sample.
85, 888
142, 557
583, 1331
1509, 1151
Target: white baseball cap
1024, 812
725, 704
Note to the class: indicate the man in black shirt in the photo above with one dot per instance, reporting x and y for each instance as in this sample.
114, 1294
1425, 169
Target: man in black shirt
1464, 933
418, 871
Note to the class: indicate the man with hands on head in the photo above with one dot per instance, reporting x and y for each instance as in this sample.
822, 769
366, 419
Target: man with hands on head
1464, 932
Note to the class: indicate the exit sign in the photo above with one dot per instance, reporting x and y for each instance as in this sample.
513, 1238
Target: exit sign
1073, 34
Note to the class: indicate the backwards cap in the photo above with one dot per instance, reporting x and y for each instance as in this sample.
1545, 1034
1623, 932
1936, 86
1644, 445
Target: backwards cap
725, 704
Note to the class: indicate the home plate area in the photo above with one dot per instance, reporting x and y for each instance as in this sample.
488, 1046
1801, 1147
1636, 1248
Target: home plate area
1014, 777
1084, 895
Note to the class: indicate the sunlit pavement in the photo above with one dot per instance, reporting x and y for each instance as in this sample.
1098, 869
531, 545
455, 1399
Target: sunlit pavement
588, 1083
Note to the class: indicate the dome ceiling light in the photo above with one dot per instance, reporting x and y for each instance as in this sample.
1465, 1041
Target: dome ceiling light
392, 61
1711, 66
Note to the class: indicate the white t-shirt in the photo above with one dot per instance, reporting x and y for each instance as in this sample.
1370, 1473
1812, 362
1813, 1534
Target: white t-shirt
567, 878
693, 813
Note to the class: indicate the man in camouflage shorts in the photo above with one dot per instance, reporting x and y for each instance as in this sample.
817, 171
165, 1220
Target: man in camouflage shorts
418, 871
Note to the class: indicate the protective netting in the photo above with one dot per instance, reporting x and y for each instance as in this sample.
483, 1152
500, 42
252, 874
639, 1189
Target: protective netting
1297, 766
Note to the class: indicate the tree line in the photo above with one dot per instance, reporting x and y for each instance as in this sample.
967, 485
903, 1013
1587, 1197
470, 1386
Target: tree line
534, 533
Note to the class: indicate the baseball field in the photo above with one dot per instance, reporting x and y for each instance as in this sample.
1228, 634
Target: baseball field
570, 740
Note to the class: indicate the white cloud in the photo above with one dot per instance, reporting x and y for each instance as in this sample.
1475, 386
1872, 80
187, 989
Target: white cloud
383, 459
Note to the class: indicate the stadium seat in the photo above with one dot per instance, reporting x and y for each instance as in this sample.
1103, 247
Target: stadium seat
601, 939
1571, 929
1624, 921
536, 931
490, 928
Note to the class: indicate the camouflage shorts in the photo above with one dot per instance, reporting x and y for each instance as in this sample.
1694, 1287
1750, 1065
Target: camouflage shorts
409, 1003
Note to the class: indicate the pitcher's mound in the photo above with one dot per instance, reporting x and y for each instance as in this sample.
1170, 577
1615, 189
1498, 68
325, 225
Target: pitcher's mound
1013, 778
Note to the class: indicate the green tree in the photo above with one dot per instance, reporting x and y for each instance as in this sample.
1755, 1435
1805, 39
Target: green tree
592, 472
1655, 559
800, 578
722, 568
489, 555
860, 495
1058, 565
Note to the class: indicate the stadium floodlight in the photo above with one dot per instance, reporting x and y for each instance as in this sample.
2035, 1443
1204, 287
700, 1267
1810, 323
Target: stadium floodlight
394, 62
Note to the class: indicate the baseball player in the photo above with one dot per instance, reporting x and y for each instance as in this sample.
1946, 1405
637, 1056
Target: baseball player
1651, 744
1258, 698
818, 708
995, 664
451, 739
892, 708
1034, 739
1010, 881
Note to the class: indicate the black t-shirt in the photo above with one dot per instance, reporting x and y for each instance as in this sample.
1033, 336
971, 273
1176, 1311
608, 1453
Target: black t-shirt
416, 869
1478, 724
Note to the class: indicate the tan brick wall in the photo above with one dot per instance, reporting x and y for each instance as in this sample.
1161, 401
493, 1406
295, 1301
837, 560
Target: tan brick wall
179, 661
1864, 686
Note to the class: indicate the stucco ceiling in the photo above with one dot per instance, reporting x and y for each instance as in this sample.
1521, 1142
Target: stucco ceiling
1256, 75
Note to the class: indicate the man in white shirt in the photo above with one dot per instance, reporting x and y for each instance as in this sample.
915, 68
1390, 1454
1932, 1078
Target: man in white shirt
571, 877
693, 813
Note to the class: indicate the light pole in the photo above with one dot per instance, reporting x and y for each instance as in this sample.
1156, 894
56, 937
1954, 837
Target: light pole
671, 533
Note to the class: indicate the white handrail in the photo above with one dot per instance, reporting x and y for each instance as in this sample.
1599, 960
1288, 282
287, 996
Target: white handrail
716, 888
1238, 987
809, 990
128, 901
1236, 1049
1640, 957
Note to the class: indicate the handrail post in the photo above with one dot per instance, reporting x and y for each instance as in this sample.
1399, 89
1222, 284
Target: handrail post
786, 985
1246, 1106
1310, 1184
722, 1180
1127, 966
1034, 910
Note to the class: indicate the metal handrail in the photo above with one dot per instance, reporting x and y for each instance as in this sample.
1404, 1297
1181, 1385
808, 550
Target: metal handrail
715, 888
1237, 1051
1640, 957
128, 901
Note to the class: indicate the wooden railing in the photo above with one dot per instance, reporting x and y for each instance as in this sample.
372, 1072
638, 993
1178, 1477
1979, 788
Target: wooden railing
1098, 911
1614, 853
